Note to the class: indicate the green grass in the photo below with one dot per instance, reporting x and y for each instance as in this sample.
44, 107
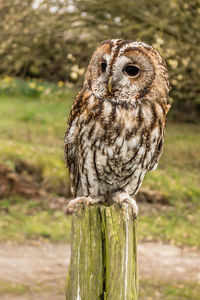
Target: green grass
178, 178
32, 129
157, 290
29, 220
13, 288
179, 227
148, 290
17, 289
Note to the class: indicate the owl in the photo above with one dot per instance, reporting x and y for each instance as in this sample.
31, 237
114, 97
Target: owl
116, 126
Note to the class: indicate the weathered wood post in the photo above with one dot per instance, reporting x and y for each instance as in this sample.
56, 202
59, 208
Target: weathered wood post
103, 262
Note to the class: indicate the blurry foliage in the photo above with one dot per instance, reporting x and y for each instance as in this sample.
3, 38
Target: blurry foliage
34, 87
54, 39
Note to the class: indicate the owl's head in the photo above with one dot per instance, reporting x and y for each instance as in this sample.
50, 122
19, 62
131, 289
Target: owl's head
126, 71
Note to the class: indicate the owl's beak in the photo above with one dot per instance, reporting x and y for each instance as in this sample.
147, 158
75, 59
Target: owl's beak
110, 84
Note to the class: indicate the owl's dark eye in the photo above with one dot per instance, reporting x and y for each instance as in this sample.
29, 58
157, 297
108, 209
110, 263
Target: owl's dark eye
103, 67
131, 70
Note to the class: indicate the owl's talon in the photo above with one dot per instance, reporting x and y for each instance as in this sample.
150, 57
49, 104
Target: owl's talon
122, 198
86, 201
72, 204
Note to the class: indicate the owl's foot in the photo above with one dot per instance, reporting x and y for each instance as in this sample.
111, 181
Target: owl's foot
122, 198
83, 200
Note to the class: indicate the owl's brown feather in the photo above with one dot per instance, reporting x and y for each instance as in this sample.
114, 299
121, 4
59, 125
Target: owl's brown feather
113, 139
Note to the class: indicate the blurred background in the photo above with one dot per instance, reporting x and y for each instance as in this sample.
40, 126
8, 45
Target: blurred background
45, 47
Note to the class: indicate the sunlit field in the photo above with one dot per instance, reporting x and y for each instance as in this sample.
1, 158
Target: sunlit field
45, 51
32, 127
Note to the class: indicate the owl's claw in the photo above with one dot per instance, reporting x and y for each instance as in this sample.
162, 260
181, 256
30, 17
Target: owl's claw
122, 198
83, 200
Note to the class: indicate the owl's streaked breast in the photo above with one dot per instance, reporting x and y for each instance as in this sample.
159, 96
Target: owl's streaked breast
116, 148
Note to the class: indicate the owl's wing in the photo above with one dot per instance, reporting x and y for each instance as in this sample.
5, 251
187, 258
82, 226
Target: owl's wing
159, 148
71, 147
71, 159
157, 154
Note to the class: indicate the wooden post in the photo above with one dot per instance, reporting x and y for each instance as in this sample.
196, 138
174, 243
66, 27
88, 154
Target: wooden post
103, 262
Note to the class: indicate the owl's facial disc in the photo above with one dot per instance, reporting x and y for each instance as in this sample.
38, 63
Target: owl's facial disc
132, 73
125, 71
121, 78
129, 70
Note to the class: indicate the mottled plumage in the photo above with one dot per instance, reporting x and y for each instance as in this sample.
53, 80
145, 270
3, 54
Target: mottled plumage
117, 122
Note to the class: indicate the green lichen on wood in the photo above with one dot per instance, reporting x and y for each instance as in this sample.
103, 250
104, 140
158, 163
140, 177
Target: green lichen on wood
120, 253
104, 254
86, 273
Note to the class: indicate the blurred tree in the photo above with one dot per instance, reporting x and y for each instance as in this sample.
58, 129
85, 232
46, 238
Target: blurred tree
54, 39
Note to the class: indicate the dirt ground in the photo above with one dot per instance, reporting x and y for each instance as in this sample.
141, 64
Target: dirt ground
43, 267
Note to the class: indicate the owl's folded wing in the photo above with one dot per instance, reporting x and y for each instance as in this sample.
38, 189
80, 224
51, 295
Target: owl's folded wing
72, 163
157, 154
71, 145
71, 158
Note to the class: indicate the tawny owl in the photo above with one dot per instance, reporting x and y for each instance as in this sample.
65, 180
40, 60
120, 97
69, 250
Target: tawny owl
117, 122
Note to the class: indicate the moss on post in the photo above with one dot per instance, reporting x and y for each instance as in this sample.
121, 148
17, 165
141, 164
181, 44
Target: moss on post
103, 262
85, 280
